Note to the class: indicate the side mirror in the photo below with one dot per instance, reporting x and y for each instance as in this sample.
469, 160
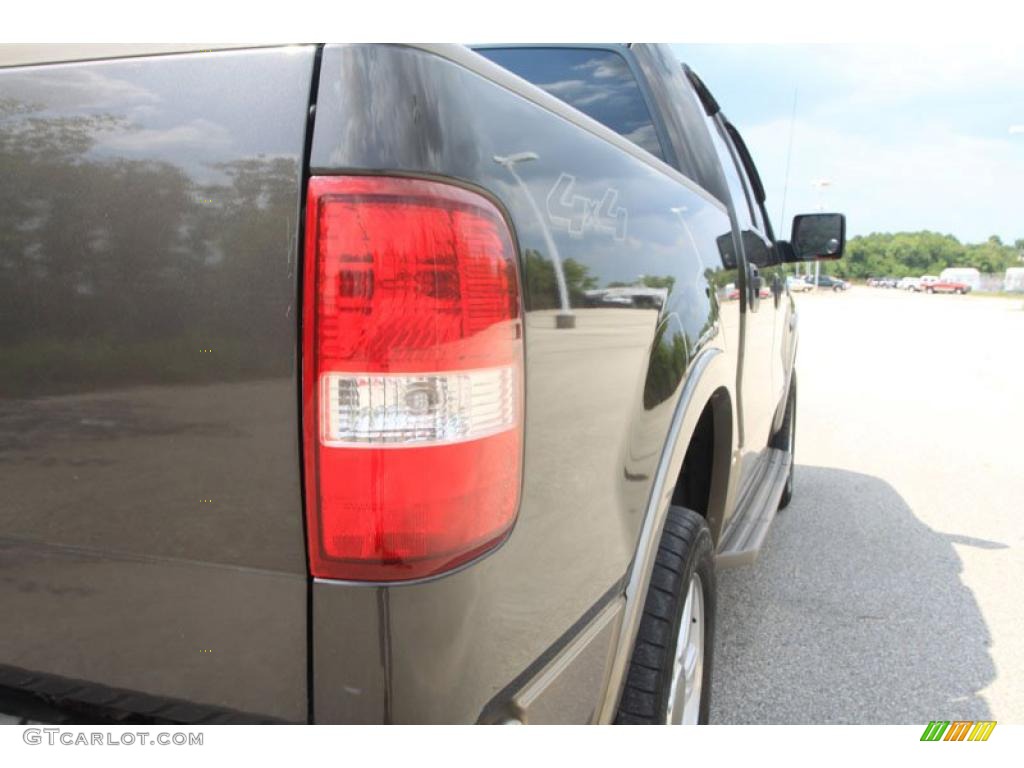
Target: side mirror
816, 236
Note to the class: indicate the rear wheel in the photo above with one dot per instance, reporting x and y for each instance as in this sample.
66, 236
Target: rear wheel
669, 678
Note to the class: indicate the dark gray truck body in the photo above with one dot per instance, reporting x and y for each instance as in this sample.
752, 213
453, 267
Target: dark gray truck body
152, 551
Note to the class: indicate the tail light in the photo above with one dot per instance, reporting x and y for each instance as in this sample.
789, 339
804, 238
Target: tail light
412, 377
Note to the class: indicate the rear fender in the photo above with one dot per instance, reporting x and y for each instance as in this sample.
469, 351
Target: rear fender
708, 382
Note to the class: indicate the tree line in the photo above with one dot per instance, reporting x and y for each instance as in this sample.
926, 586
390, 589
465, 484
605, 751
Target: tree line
116, 271
912, 254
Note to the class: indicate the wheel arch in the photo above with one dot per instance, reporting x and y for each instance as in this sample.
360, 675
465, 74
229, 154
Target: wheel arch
703, 479
708, 393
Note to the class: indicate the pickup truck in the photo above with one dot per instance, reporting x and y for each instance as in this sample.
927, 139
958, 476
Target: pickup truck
380, 384
946, 285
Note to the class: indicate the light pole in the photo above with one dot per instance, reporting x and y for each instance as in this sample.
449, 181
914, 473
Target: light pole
820, 185
680, 211
565, 317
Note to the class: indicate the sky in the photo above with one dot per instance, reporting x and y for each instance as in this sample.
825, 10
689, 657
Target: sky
908, 137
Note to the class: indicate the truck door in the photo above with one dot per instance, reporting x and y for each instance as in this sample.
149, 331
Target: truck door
755, 385
772, 273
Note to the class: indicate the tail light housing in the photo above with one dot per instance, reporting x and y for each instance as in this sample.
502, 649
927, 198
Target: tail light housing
412, 377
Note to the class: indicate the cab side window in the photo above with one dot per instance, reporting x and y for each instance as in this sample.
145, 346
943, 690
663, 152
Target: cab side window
754, 244
737, 190
755, 191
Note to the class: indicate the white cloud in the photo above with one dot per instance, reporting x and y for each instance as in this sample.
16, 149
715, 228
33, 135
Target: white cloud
74, 88
195, 134
898, 71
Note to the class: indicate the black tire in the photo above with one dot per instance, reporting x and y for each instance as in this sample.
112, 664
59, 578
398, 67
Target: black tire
685, 548
785, 440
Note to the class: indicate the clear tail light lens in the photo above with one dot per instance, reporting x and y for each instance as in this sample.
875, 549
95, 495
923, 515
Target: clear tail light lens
412, 377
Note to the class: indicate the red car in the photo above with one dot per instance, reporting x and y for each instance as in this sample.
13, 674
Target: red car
734, 294
947, 286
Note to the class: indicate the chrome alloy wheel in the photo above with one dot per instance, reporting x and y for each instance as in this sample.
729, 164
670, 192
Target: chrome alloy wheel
688, 666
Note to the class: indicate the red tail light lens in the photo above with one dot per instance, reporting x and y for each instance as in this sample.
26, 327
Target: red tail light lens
412, 377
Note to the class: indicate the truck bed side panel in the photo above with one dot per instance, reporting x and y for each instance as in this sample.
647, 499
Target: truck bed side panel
151, 534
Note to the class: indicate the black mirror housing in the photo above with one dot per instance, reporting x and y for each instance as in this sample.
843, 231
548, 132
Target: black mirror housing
816, 237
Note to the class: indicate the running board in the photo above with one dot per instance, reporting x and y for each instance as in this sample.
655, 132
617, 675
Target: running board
755, 511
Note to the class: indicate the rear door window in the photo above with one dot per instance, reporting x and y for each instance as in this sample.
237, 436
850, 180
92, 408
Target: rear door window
597, 82
737, 189
754, 243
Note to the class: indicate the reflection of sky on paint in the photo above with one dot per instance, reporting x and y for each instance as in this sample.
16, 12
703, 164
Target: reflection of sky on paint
166, 109
642, 192
492, 124
911, 137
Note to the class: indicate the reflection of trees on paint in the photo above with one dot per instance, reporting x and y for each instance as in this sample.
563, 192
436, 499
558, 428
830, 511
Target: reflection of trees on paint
542, 285
647, 281
721, 278
114, 270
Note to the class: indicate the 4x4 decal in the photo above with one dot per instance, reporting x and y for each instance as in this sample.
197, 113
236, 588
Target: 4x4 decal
577, 213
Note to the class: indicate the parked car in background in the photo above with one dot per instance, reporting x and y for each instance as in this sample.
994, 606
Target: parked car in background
634, 296
827, 281
762, 293
947, 286
908, 283
968, 276
797, 284
924, 281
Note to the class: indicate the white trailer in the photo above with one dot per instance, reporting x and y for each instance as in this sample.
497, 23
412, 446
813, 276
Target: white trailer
1014, 279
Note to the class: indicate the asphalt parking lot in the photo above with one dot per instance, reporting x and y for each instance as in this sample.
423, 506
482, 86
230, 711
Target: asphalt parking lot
890, 589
